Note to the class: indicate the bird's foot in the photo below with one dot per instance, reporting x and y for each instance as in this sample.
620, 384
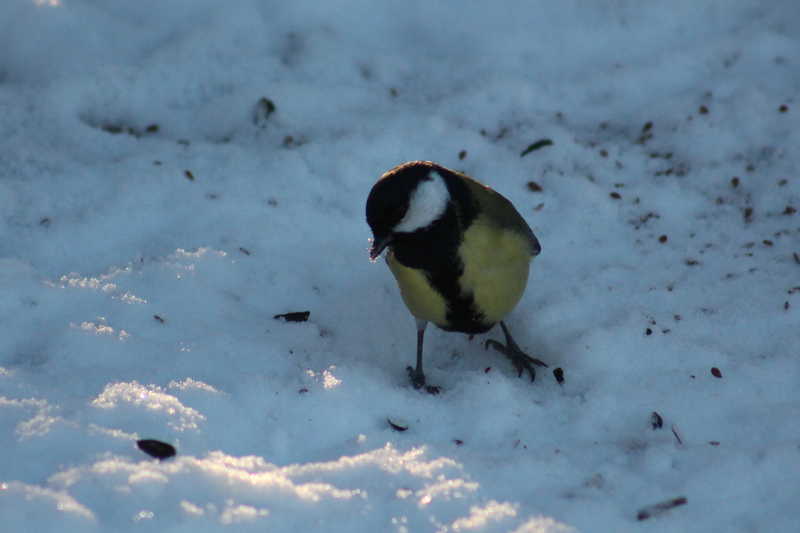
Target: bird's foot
518, 358
418, 381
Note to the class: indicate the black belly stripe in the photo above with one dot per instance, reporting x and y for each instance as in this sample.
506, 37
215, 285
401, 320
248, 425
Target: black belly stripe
434, 250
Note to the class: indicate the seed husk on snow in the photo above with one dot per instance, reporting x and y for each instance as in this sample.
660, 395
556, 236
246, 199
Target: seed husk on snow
156, 448
294, 316
541, 143
656, 421
397, 424
656, 509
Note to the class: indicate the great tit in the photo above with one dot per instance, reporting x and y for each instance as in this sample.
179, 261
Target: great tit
459, 251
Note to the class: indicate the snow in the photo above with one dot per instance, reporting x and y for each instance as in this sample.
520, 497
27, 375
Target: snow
173, 175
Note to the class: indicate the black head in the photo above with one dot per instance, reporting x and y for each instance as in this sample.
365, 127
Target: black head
407, 198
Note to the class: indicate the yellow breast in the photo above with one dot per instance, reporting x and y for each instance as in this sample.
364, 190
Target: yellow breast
421, 299
496, 262
496, 265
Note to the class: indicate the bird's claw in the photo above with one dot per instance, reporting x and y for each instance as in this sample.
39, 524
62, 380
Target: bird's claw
418, 381
518, 358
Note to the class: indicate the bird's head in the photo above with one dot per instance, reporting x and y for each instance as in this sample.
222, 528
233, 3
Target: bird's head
406, 199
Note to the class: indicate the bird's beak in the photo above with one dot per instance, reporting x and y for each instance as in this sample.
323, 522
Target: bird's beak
378, 245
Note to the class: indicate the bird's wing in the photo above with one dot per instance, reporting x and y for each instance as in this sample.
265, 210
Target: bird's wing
504, 213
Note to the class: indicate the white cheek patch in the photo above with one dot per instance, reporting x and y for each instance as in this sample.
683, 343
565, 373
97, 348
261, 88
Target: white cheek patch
427, 204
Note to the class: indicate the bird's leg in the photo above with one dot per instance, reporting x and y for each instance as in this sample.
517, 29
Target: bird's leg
416, 374
519, 359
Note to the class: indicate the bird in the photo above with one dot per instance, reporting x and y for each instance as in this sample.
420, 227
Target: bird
459, 251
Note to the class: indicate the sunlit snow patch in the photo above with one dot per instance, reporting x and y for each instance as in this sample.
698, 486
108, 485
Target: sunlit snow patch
329, 381
185, 260
152, 398
21, 498
353, 490
480, 516
192, 384
105, 283
42, 421
100, 328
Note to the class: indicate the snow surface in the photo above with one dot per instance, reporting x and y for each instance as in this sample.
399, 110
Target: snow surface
174, 174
